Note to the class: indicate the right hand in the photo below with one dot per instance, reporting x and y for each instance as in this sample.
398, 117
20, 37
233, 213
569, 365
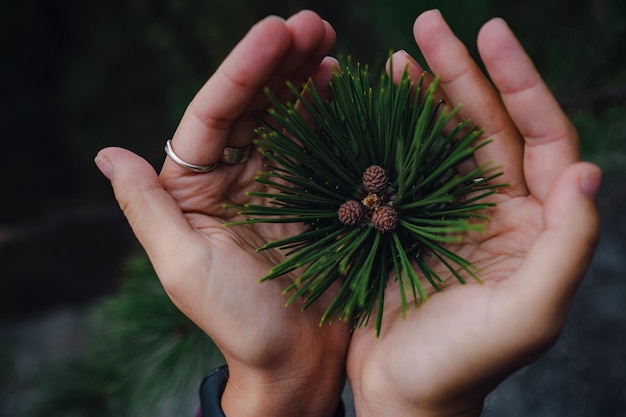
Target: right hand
446, 356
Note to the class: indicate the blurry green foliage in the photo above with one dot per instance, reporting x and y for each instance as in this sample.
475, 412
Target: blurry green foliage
604, 133
142, 355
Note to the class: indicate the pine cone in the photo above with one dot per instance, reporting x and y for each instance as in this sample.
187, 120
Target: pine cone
350, 212
385, 219
375, 179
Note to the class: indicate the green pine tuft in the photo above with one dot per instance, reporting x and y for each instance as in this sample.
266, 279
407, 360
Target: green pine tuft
399, 127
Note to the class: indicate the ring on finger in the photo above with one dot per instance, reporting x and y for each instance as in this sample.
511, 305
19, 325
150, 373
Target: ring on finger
169, 151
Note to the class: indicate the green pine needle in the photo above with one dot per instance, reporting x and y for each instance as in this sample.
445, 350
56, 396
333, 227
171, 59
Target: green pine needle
400, 128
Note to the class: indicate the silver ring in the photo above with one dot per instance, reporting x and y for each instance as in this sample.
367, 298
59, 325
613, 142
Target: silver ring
236, 155
169, 151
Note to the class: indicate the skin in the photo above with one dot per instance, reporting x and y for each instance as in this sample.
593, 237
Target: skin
441, 360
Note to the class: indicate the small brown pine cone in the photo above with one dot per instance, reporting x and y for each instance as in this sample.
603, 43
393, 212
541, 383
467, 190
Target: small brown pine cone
385, 219
350, 212
375, 179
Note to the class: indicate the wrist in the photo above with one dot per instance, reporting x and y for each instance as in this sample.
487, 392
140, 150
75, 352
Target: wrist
391, 409
382, 401
301, 393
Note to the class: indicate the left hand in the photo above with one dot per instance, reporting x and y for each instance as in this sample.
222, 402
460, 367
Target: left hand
281, 361
445, 357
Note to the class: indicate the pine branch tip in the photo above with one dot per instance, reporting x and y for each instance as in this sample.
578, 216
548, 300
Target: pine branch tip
399, 126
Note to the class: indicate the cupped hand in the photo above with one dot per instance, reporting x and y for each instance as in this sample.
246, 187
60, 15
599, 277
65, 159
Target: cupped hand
445, 357
212, 272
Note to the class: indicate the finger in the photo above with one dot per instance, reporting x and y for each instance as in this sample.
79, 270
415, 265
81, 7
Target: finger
321, 55
225, 111
313, 40
401, 62
551, 141
202, 133
465, 85
547, 281
156, 220
323, 76
320, 81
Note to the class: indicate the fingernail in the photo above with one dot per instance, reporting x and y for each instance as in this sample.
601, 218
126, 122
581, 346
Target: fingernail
589, 182
500, 20
398, 54
104, 165
411, 59
400, 60
274, 17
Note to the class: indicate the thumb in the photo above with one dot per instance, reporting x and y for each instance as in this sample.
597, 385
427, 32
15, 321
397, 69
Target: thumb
156, 219
561, 254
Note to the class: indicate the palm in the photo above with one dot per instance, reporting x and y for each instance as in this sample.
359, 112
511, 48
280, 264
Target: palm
457, 328
227, 280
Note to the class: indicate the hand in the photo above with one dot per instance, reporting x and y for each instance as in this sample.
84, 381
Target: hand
281, 361
444, 358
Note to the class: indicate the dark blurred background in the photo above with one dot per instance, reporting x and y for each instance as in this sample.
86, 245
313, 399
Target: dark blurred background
77, 76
